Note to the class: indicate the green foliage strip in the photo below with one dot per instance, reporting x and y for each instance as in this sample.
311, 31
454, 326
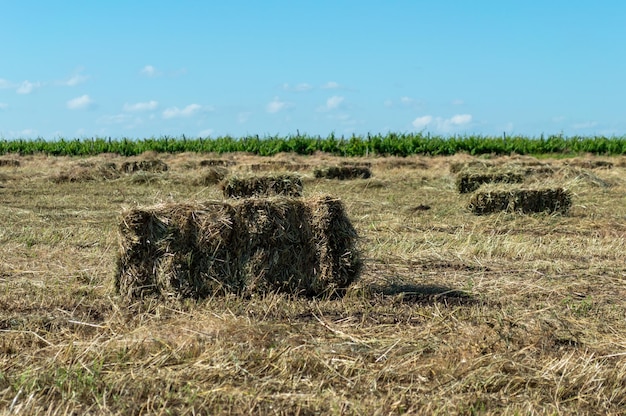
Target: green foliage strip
384, 145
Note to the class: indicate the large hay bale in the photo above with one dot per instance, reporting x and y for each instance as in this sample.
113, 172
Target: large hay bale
470, 180
520, 200
343, 172
255, 186
257, 245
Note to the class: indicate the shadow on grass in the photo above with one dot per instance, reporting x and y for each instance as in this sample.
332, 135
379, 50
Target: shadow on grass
425, 294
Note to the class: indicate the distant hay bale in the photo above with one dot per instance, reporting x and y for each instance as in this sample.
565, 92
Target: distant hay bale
471, 165
244, 187
343, 172
212, 176
216, 162
87, 173
590, 163
12, 163
154, 165
277, 165
301, 247
551, 200
470, 180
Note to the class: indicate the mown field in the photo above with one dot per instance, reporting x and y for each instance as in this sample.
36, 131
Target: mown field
454, 313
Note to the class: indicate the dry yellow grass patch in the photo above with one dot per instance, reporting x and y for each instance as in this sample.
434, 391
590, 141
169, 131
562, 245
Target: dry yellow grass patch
454, 313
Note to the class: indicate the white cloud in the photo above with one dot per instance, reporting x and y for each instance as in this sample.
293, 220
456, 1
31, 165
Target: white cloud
302, 87
243, 117
115, 119
149, 71
407, 100
421, 122
459, 119
75, 80
332, 103
276, 105
443, 125
26, 87
80, 103
23, 133
458, 102
175, 112
205, 133
4, 106
331, 85
144, 106
388, 103
6, 84
585, 125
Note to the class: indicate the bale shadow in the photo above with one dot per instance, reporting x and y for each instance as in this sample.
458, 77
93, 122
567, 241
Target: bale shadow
425, 294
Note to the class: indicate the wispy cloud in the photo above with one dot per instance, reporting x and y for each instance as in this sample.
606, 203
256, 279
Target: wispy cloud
142, 106
115, 119
331, 85
26, 133
440, 124
302, 87
457, 102
5, 84
188, 111
585, 125
243, 117
4, 106
421, 122
332, 103
459, 119
26, 87
75, 80
205, 132
80, 103
149, 71
277, 105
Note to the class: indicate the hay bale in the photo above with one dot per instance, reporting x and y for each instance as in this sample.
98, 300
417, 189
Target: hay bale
87, 173
12, 163
154, 165
458, 167
257, 245
216, 162
521, 200
212, 176
343, 172
590, 164
254, 186
470, 180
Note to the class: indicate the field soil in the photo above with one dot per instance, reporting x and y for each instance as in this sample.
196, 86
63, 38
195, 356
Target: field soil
454, 313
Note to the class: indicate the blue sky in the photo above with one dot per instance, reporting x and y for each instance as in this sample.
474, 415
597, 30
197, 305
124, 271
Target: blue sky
137, 69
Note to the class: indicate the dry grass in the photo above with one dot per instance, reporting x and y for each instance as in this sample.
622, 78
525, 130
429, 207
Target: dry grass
454, 314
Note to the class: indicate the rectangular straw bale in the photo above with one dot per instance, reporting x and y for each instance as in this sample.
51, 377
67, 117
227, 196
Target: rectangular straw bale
258, 245
520, 200
185, 250
343, 172
259, 186
470, 180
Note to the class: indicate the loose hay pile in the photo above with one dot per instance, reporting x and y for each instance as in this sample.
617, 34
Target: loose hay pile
470, 180
344, 172
244, 187
257, 245
521, 200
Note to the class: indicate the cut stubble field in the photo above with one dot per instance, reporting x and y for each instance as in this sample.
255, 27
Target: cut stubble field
454, 313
